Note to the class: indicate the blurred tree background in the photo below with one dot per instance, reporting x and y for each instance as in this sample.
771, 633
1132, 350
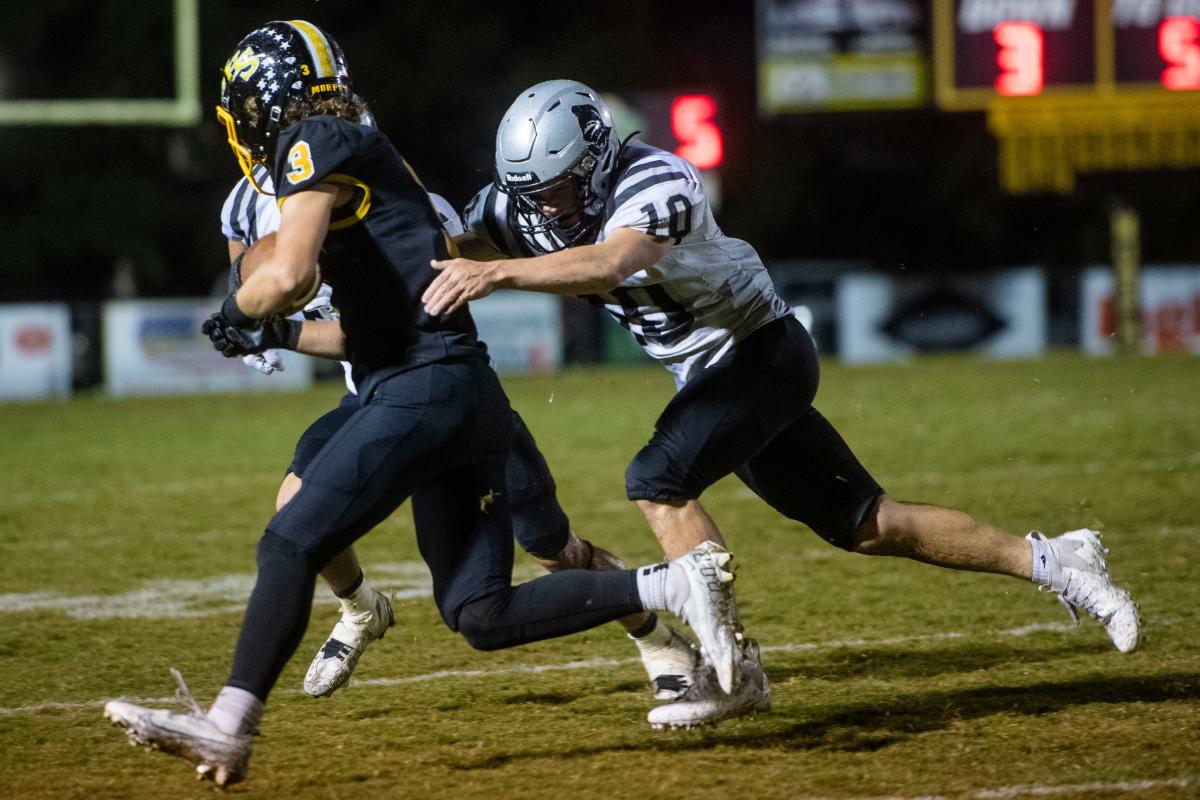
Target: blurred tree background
905, 190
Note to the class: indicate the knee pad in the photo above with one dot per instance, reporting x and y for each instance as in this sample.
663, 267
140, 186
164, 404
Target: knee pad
477, 623
273, 548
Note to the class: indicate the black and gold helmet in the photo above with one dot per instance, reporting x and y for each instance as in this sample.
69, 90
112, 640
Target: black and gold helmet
273, 66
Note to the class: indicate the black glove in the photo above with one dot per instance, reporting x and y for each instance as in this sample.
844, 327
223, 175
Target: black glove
233, 333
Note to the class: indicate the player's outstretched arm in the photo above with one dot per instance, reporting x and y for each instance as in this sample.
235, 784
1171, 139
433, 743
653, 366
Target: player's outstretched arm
578, 270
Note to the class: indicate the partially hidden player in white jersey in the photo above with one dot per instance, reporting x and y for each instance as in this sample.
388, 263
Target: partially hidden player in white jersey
574, 211
540, 525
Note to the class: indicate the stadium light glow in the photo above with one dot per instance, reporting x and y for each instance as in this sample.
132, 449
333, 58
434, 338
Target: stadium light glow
699, 137
1179, 46
1021, 59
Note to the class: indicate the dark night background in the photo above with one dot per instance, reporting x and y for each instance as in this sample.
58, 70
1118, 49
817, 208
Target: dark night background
914, 190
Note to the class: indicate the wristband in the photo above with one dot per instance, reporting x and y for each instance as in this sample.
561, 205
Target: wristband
238, 318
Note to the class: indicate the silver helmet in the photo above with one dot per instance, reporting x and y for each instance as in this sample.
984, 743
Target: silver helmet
555, 133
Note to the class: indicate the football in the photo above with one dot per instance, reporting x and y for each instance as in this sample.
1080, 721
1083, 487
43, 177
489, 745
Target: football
262, 250
309, 294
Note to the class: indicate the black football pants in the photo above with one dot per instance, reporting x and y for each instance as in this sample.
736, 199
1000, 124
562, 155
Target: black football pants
440, 434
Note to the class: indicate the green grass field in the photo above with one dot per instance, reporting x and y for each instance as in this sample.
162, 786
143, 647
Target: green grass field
127, 535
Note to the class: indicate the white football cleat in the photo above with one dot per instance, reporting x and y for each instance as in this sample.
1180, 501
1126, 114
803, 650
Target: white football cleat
217, 755
711, 610
705, 703
337, 658
670, 659
1081, 580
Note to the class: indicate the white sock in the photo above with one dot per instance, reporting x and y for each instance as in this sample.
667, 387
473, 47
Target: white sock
360, 600
1044, 562
236, 711
663, 587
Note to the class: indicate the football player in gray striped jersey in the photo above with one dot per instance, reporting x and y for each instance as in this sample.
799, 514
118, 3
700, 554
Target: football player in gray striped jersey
572, 210
539, 524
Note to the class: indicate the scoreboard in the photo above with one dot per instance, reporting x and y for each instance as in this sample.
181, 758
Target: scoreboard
987, 49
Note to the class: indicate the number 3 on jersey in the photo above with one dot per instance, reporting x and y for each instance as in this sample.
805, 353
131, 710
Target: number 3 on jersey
300, 162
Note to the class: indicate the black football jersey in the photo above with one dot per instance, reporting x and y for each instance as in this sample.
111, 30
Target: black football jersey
377, 252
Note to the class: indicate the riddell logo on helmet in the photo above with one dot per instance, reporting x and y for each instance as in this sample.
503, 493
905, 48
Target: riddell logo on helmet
521, 178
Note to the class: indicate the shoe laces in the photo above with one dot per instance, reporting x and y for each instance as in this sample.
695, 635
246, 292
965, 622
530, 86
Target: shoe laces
1090, 595
183, 695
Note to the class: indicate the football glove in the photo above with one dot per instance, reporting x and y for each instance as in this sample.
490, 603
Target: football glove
233, 333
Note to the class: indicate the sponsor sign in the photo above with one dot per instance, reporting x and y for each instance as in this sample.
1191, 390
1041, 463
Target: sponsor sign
523, 331
155, 347
832, 55
35, 351
889, 317
1170, 299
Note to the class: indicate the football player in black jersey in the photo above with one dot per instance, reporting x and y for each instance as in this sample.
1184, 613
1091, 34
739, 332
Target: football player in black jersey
540, 526
433, 422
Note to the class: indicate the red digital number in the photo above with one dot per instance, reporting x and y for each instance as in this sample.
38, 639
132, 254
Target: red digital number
699, 137
1020, 59
1179, 46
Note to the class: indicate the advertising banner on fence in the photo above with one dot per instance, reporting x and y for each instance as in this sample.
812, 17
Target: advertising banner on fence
885, 317
523, 330
35, 351
1170, 298
155, 347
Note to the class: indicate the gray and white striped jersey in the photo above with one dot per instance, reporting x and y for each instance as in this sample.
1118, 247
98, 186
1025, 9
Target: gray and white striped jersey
248, 215
687, 310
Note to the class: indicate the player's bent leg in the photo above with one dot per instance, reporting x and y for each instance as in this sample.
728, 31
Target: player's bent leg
547, 607
679, 525
669, 658
542, 529
942, 537
714, 617
366, 614
1073, 565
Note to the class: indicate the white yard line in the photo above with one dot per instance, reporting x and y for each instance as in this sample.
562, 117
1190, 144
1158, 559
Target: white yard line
1125, 787
1043, 791
595, 663
219, 594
